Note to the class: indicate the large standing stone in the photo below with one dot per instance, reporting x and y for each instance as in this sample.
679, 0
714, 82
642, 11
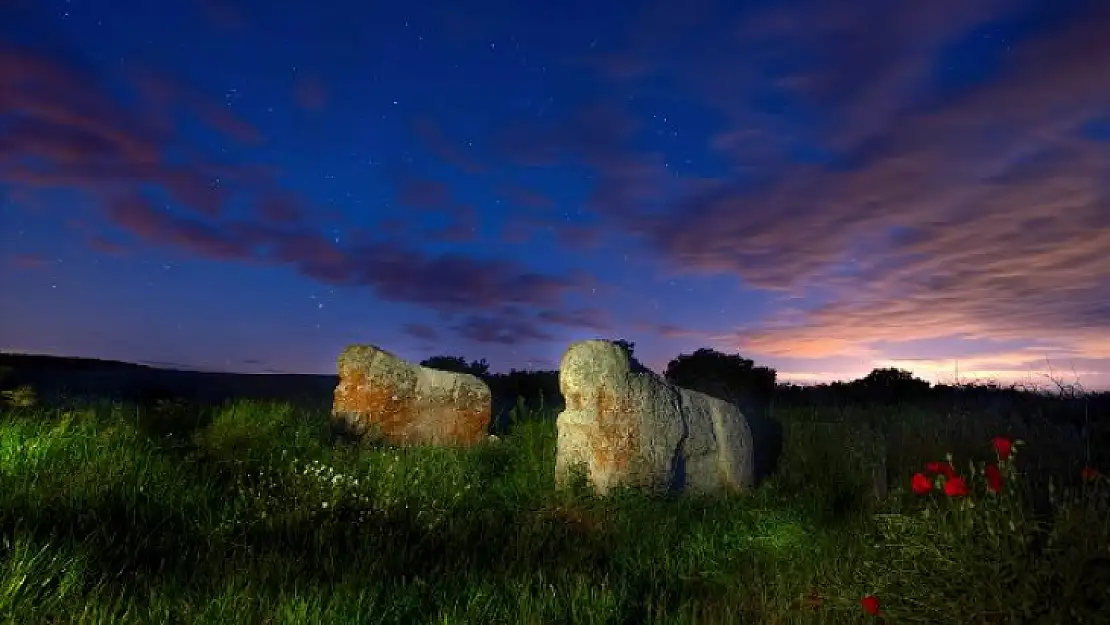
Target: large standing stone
405, 403
632, 427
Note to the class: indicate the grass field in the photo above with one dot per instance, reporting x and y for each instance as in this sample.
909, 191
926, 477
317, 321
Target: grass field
247, 514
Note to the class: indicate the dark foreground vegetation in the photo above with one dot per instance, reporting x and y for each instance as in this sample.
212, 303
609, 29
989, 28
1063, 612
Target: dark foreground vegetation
154, 501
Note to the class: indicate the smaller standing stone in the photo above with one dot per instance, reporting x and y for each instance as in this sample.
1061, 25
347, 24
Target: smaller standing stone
404, 403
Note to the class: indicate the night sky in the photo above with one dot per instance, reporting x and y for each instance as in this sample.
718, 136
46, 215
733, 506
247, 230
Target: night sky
822, 186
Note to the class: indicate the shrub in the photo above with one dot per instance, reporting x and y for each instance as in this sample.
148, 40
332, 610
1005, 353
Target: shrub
971, 547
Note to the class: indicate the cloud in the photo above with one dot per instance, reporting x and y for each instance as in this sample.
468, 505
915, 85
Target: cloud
589, 318
97, 241
432, 197
166, 99
513, 325
500, 329
69, 132
222, 15
281, 207
525, 198
30, 261
522, 229
430, 133
462, 227
423, 193
453, 281
64, 128
518, 231
899, 200
940, 227
104, 245
137, 216
630, 184
578, 236
449, 283
58, 115
671, 331
309, 92
420, 331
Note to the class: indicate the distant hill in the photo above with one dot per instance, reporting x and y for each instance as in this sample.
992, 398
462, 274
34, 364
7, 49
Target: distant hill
64, 363
52, 376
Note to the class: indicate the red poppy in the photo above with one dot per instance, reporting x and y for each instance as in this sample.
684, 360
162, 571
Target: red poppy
1003, 446
943, 468
1089, 474
921, 483
955, 487
994, 478
870, 604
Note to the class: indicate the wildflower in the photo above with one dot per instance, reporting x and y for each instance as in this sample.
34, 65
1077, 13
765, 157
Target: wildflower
994, 478
1089, 474
955, 487
940, 468
921, 483
870, 604
1003, 446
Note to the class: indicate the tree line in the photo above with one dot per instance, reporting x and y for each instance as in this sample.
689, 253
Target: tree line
756, 387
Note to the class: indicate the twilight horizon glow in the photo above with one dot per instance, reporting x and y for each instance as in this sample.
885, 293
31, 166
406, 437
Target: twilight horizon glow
826, 188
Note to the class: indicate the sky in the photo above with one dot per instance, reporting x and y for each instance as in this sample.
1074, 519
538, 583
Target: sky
822, 186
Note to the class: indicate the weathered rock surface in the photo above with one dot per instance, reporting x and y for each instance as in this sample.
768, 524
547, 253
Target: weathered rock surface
381, 394
626, 425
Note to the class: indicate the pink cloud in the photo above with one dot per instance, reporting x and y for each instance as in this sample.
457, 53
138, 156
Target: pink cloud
309, 93
30, 261
423, 193
431, 134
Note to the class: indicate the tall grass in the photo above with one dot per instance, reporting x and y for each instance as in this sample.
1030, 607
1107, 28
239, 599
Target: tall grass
248, 513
